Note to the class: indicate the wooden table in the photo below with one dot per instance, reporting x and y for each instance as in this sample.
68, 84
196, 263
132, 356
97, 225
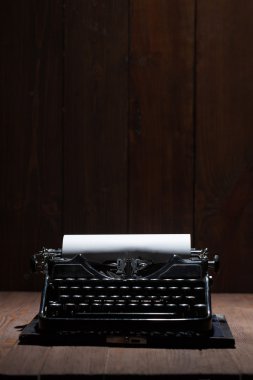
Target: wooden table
18, 308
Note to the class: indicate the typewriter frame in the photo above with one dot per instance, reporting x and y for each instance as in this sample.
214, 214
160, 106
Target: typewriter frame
176, 268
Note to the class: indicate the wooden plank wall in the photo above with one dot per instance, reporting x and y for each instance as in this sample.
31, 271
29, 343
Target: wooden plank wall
30, 134
224, 137
126, 116
161, 116
95, 116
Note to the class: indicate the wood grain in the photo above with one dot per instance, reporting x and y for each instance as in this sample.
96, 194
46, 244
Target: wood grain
115, 362
89, 360
95, 122
17, 309
238, 310
161, 117
170, 362
224, 138
30, 117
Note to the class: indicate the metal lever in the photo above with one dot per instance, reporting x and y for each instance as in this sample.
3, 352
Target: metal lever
215, 263
39, 261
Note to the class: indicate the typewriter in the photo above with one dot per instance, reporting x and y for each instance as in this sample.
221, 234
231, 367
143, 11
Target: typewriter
126, 287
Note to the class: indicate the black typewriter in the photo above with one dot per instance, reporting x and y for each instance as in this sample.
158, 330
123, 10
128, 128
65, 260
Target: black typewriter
143, 284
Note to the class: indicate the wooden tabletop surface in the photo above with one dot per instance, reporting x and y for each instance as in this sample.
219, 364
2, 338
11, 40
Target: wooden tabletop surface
18, 308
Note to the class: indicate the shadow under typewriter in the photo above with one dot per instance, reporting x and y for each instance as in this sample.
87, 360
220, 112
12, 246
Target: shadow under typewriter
128, 302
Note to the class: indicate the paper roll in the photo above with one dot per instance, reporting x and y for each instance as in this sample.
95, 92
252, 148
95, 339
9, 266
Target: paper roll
109, 247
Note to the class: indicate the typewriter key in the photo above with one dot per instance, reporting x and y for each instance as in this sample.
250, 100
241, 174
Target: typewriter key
165, 297
186, 290
119, 307
159, 305
70, 308
54, 309
200, 310
108, 308
171, 307
176, 298
161, 288
190, 299
174, 290
86, 287
77, 298
83, 307
145, 305
95, 307
184, 308
102, 296
74, 289
58, 281
149, 288
70, 280
133, 306
62, 289
64, 298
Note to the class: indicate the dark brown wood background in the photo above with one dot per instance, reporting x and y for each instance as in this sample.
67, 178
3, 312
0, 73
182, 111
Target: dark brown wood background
126, 116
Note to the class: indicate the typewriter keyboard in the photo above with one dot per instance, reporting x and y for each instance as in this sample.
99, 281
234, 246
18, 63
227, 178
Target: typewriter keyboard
81, 298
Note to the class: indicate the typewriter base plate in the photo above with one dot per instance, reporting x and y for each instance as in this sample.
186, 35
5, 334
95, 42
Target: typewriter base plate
220, 337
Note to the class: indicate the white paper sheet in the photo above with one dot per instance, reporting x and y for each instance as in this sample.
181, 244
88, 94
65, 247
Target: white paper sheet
109, 247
